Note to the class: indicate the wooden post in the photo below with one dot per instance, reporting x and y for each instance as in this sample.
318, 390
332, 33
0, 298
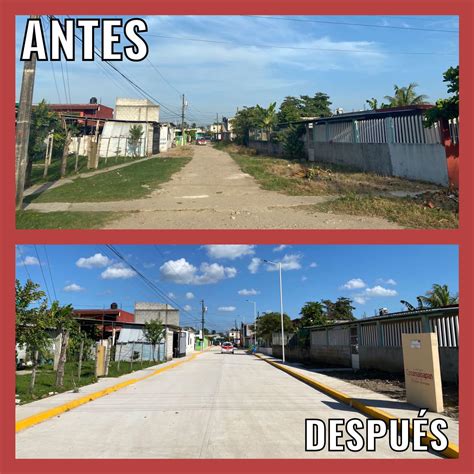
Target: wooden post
131, 357
46, 155
81, 352
76, 165
119, 357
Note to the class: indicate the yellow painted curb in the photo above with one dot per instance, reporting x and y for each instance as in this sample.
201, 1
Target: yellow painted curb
452, 451
45, 415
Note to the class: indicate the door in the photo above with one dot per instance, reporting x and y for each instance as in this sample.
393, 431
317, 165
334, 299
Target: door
182, 344
354, 340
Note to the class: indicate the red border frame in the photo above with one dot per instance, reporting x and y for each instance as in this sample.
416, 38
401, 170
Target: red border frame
11, 236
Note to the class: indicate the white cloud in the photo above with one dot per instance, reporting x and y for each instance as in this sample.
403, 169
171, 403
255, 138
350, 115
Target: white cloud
184, 273
254, 265
30, 261
288, 262
96, 261
187, 307
390, 281
171, 295
280, 248
189, 295
117, 271
251, 292
313, 265
73, 288
360, 299
226, 309
380, 291
230, 252
354, 284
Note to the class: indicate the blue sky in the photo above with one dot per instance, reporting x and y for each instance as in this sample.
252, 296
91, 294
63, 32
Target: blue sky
219, 77
225, 276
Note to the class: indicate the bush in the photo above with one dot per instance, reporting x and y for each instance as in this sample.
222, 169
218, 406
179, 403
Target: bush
293, 146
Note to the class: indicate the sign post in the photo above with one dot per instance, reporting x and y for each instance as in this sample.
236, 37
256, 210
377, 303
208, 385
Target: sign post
422, 371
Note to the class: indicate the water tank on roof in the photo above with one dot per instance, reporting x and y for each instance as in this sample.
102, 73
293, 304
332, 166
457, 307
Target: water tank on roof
114, 306
93, 100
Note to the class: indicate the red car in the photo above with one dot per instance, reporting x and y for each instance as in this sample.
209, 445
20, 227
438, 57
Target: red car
227, 348
201, 141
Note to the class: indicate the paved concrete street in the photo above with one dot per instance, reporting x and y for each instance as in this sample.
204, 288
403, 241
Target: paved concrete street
215, 406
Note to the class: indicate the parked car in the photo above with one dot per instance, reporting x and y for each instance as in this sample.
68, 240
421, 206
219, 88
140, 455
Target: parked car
227, 348
201, 141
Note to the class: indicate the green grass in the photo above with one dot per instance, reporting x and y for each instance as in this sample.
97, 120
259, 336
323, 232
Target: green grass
64, 219
358, 193
132, 182
403, 211
46, 377
53, 169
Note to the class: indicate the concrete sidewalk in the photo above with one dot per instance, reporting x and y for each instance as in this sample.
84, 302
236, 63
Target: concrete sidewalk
394, 407
39, 406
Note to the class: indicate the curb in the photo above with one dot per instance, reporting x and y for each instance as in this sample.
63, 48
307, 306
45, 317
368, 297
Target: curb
52, 412
452, 451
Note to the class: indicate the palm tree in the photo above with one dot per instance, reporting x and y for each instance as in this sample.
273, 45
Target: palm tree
268, 117
135, 135
438, 297
406, 96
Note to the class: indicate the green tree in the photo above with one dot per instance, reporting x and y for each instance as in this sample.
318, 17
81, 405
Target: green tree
64, 322
245, 120
154, 332
446, 108
293, 146
312, 314
43, 122
406, 96
438, 296
134, 137
32, 323
290, 110
316, 106
341, 309
269, 323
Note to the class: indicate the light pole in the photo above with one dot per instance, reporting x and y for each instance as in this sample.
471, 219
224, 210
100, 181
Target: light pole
281, 310
255, 319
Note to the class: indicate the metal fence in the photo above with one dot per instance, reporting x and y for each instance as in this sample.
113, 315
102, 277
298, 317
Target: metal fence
396, 129
387, 331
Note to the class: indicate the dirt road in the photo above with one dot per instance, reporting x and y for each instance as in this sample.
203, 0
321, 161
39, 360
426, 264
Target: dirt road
211, 192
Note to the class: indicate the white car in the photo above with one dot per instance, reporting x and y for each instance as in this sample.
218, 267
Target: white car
227, 348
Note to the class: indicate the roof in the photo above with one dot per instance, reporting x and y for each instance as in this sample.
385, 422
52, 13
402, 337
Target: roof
452, 309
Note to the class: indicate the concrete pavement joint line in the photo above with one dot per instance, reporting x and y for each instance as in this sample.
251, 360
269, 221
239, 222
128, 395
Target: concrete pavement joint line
45, 415
452, 451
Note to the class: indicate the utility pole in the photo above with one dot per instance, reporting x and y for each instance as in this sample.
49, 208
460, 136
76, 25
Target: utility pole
23, 125
182, 121
203, 312
217, 127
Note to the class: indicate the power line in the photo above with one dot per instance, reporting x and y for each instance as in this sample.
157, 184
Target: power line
46, 26
42, 273
302, 48
330, 22
143, 92
50, 274
149, 283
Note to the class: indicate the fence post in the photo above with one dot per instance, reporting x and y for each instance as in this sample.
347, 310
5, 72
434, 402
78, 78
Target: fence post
131, 356
355, 131
389, 129
81, 351
119, 357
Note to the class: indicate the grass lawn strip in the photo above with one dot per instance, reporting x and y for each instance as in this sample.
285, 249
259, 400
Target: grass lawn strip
64, 219
46, 376
133, 182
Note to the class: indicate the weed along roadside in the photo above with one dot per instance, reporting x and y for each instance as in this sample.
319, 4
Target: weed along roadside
411, 204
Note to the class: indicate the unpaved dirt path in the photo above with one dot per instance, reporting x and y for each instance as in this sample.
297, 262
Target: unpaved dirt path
211, 192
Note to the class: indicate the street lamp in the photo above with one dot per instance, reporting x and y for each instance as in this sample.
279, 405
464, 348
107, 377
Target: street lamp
255, 319
281, 310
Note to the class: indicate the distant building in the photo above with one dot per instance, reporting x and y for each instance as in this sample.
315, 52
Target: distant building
92, 110
165, 313
136, 110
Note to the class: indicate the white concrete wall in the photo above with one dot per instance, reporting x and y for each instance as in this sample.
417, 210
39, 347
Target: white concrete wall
115, 140
190, 342
423, 162
169, 344
136, 110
